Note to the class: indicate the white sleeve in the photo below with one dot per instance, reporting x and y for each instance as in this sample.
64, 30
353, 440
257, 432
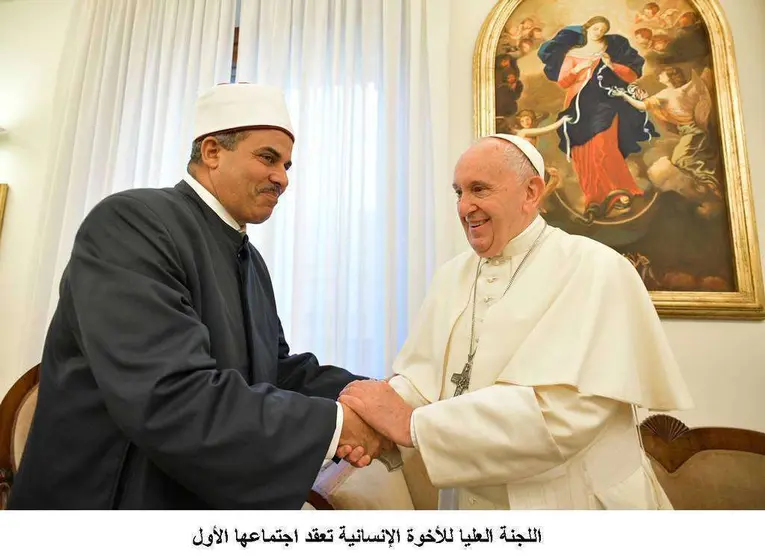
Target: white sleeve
573, 419
505, 433
336, 437
407, 391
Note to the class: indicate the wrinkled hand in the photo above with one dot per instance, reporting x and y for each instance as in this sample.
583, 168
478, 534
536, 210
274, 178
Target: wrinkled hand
359, 443
380, 407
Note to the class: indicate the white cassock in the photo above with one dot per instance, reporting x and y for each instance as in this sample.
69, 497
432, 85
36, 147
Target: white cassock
562, 357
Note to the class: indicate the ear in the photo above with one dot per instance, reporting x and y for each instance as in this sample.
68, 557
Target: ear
534, 189
211, 151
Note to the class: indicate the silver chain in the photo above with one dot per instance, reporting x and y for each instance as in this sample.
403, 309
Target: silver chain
472, 350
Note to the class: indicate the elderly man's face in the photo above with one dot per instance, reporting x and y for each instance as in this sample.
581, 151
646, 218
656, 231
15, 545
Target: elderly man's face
249, 180
494, 206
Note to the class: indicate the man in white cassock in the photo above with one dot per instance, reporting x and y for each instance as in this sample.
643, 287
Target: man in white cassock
519, 381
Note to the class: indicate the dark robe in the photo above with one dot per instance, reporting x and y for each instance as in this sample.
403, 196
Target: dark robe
166, 381
597, 107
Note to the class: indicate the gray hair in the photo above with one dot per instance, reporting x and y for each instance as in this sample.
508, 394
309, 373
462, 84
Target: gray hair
517, 162
227, 140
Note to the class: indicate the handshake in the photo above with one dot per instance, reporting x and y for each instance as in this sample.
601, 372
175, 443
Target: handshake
375, 420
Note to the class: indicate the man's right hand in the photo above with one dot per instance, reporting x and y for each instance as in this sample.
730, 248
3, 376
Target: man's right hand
359, 443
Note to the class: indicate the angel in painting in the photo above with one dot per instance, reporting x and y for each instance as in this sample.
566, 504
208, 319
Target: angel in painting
686, 104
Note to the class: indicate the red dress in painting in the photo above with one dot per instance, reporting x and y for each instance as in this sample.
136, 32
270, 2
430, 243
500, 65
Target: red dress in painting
599, 164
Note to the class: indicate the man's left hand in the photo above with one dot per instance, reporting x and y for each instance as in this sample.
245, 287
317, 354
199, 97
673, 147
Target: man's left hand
378, 404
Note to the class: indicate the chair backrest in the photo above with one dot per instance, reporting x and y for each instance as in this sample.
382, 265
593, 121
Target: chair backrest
710, 468
16, 412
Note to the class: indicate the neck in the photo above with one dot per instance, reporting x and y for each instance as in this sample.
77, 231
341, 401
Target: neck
202, 175
525, 224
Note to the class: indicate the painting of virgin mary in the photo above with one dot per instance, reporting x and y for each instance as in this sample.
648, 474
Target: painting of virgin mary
634, 108
600, 131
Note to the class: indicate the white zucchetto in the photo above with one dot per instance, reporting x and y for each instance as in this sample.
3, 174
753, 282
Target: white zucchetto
528, 149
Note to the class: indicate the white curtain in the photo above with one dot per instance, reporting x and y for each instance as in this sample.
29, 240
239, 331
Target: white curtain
131, 71
354, 241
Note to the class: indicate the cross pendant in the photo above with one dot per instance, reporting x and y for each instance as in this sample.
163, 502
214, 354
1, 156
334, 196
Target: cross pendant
462, 380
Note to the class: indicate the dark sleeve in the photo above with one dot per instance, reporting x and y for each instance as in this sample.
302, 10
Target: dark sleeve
621, 52
234, 445
303, 373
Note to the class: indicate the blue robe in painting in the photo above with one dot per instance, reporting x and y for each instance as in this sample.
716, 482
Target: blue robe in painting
597, 107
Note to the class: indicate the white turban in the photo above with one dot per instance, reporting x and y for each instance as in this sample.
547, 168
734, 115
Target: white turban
534, 156
236, 106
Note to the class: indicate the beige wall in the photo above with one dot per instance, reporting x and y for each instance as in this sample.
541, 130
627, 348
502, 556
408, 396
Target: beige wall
31, 37
724, 363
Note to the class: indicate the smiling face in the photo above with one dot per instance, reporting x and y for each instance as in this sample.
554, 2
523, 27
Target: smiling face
495, 200
248, 179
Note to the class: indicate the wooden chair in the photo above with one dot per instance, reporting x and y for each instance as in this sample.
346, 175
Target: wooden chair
699, 469
709, 468
16, 412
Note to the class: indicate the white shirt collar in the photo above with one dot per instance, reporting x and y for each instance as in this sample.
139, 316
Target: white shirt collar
213, 203
521, 243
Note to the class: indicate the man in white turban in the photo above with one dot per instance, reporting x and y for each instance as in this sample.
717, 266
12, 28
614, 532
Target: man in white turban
518, 382
166, 381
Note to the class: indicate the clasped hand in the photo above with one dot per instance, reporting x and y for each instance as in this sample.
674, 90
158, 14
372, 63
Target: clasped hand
375, 418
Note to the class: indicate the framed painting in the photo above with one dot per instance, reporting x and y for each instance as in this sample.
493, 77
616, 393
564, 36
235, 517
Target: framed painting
635, 107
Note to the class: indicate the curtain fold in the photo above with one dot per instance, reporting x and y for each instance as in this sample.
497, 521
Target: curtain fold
355, 239
123, 116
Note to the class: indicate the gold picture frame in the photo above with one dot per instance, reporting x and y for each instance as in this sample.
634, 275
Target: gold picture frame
743, 298
3, 198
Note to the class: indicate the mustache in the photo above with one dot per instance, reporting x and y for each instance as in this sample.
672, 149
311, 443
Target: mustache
271, 189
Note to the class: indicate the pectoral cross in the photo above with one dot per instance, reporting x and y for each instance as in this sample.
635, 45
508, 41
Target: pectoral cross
462, 380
